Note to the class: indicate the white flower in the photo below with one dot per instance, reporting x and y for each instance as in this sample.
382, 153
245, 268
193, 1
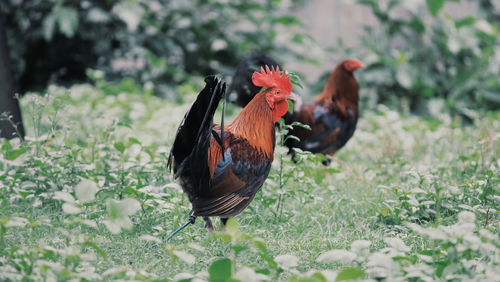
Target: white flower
380, 259
246, 274
185, 257
85, 191
397, 244
466, 217
341, 256
130, 13
361, 247
287, 261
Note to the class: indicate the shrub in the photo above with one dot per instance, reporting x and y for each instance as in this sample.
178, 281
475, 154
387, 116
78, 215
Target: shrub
418, 53
161, 41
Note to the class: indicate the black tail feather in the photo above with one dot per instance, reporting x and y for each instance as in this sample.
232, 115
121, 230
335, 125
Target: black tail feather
192, 140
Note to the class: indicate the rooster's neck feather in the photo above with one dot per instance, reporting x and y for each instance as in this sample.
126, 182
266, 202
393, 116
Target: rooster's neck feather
255, 124
341, 89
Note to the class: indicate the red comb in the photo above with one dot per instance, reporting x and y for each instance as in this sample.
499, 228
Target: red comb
272, 78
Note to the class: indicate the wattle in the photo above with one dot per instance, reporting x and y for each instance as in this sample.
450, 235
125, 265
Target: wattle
280, 109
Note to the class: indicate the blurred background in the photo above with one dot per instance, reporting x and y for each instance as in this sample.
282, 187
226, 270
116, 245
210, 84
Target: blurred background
420, 55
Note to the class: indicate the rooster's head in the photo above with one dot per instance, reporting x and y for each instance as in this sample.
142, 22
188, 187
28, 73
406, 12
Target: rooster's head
278, 89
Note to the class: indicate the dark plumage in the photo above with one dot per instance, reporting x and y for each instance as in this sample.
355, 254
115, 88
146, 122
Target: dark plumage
332, 115
241, 82
221, 169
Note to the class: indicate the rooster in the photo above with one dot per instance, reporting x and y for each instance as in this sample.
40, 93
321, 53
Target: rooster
241, 82
332, 115
221, 168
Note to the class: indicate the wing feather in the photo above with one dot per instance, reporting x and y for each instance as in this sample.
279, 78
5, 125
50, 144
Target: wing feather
330, 131
235, 178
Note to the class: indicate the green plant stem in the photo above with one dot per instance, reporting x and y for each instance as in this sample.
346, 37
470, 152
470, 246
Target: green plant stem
3, 230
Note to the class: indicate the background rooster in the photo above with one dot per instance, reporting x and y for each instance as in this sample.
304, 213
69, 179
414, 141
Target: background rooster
332, 115
221, 168
241, 83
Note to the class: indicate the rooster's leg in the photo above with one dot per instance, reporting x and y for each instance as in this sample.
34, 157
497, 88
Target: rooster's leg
223, 222
208, 224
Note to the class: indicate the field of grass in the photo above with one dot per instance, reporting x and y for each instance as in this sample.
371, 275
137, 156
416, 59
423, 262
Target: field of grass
88, 195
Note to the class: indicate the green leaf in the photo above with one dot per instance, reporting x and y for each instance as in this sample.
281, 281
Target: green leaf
467, 21
293, 137
6, 146
295, 79
224, 237
232, 227
490, 95
291, 106
94, 246
299, 124
298, 38
14, 154
435, 6
350, 273
417, 26
287, 20
120, 146
220, 270
239, 248
316, 277
133, 140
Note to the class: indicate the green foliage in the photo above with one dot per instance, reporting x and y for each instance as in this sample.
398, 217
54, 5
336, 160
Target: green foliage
160, 41
435, 6
408, 199
454, 255
295, 79
350, 273
220, 270
419, 53
430, 198
281, 184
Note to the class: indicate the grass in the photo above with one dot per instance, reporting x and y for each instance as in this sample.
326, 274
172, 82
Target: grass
397, 170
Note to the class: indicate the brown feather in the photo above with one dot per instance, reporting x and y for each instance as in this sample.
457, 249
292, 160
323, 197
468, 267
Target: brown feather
233, 172
329, 140
341, 90
215, 151
339, 97
255, 124
219, 206
227, 182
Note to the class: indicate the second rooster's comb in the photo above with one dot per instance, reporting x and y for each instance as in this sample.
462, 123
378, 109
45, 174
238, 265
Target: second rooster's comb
272, 78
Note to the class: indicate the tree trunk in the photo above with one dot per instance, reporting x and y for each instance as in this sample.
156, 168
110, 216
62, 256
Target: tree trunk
8, 103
